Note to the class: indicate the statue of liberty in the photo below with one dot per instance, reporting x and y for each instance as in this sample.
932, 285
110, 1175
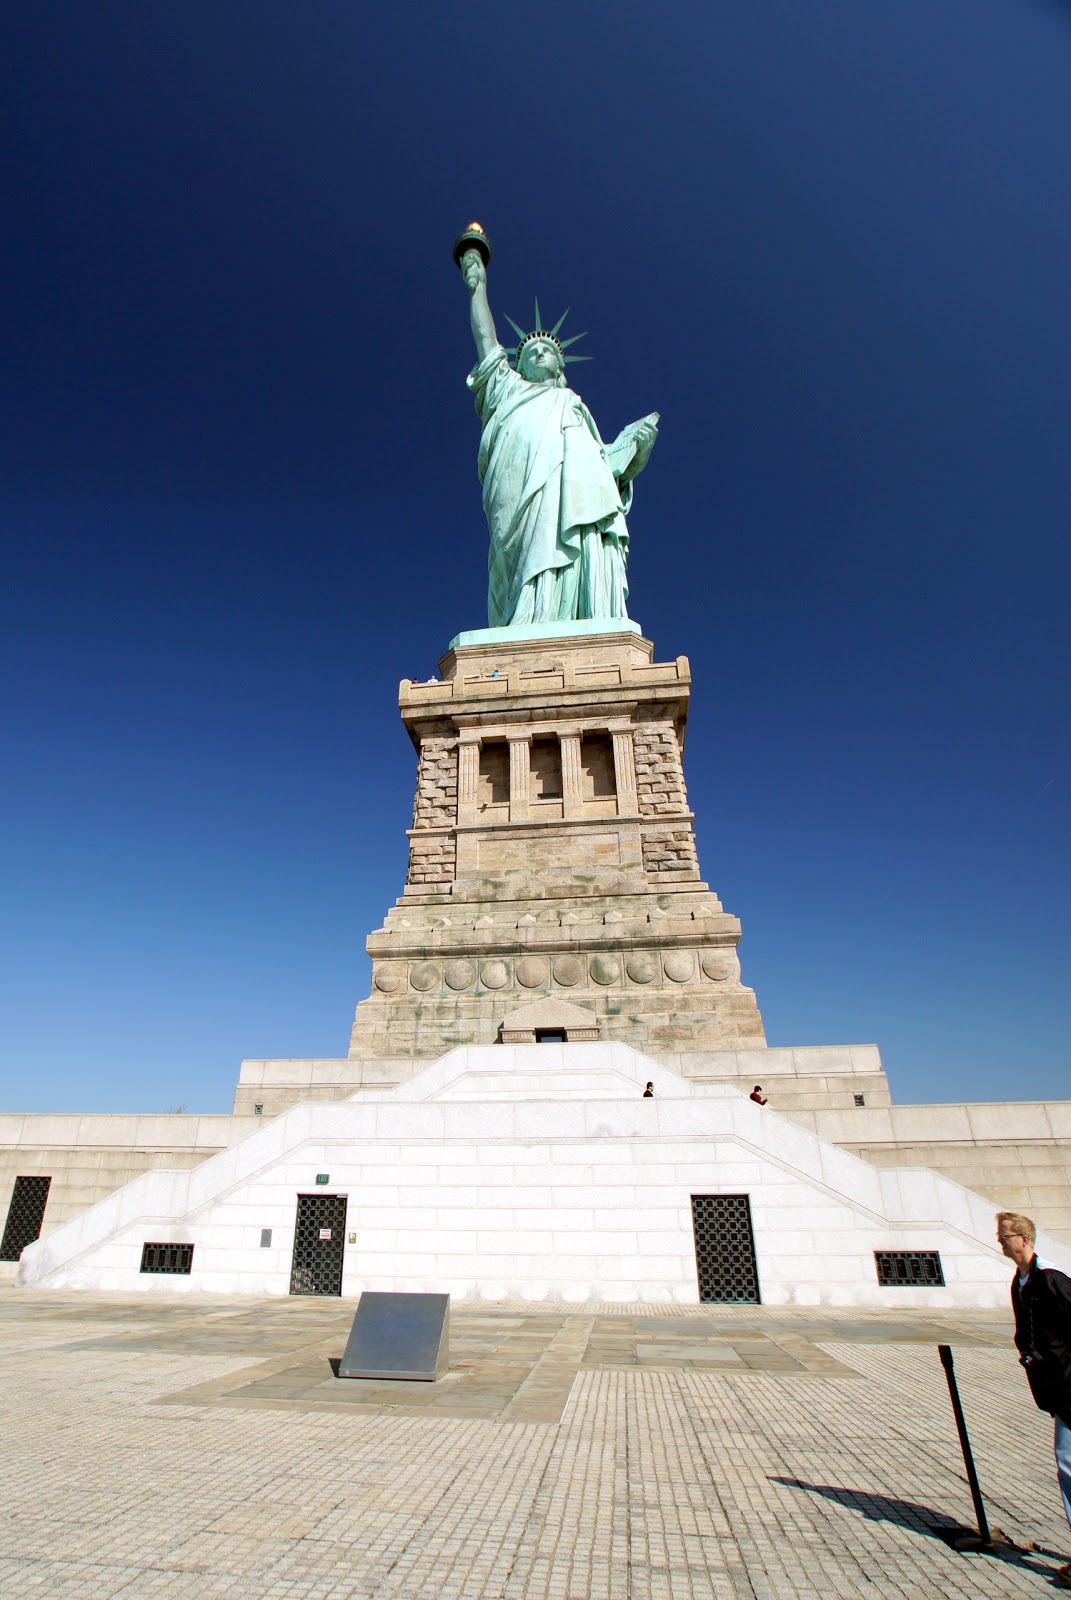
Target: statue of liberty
555, 494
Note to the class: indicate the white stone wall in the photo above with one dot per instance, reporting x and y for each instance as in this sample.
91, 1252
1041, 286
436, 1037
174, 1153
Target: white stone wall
573, 1188
1017, 1153
90, 1156
822, 1077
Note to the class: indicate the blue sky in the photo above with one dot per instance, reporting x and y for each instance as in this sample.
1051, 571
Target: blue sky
830, 243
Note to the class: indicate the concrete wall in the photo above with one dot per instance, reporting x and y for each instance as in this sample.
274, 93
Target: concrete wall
807, 1078
818, 1077
1015, 1153
278, 1084
574, 1187
89, 1157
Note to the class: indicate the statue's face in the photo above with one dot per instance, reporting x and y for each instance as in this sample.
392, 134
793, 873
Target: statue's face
540, 361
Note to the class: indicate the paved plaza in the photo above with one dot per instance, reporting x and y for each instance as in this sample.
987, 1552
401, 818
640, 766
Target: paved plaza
199, 1447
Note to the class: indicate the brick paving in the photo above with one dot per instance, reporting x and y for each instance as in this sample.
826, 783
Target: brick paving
203, 1448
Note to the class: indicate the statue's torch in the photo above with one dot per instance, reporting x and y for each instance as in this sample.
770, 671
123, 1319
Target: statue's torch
472, 238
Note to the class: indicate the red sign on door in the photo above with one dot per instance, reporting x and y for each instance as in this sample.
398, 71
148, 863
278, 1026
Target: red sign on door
325, 1233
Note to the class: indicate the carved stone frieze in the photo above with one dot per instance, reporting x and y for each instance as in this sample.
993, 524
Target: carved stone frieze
642, 967
568, 971
459, 974
605, 969
532, 972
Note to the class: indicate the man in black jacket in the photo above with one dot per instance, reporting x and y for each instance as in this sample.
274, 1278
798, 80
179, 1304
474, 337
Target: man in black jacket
1041, 1300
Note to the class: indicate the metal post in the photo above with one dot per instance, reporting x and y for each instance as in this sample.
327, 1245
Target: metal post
945, 1352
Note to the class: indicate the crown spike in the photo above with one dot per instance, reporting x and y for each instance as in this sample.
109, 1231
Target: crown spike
539, 332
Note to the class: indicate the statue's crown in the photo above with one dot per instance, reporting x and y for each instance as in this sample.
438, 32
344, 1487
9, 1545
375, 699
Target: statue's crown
539, 332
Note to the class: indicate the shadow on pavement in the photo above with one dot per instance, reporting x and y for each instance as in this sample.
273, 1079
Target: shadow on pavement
920, 1519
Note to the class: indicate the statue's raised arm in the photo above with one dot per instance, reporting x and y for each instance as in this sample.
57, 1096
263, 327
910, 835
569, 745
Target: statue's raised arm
555, 495
483, 323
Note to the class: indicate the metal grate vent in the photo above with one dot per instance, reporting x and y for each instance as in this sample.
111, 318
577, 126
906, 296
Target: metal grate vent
319, 1243
167, 1258
24, 1216
725, 1249
909, 1269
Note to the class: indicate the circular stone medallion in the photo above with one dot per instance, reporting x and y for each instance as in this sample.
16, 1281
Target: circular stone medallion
568, 970
642, 969
531, 972
494, 974
459, 974
605, 969
387, 979
424, 975
680, 966
719, 968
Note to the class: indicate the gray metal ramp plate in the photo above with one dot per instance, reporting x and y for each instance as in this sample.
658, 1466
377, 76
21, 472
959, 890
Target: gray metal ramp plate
398, 1336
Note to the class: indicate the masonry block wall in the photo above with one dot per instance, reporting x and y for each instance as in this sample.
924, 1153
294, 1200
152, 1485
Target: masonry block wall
552, 852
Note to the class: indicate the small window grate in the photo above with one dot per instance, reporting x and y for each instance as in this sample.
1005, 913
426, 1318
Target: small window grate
174, 1258
24, 1217
860, 1099
725, 1249
912, 1269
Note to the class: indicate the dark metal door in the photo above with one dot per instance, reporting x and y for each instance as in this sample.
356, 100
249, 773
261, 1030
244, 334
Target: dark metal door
24, 1217
319, 1241
725, 1249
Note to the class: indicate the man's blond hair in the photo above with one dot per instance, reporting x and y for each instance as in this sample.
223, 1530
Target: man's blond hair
1017, 1223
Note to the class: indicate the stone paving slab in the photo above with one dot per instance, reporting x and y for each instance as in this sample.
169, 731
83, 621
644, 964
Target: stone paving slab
154, 1449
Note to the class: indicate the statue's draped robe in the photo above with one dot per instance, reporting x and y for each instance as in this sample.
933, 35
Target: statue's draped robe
555, 511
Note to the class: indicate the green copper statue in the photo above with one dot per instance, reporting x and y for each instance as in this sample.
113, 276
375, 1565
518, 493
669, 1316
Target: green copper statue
555, 495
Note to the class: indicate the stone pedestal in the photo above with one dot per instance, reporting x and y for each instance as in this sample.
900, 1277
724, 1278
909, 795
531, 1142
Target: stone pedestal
552, 856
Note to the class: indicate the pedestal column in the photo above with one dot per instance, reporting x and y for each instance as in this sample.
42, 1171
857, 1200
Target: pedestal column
572, 785
625, 773
468, 777
519, 775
